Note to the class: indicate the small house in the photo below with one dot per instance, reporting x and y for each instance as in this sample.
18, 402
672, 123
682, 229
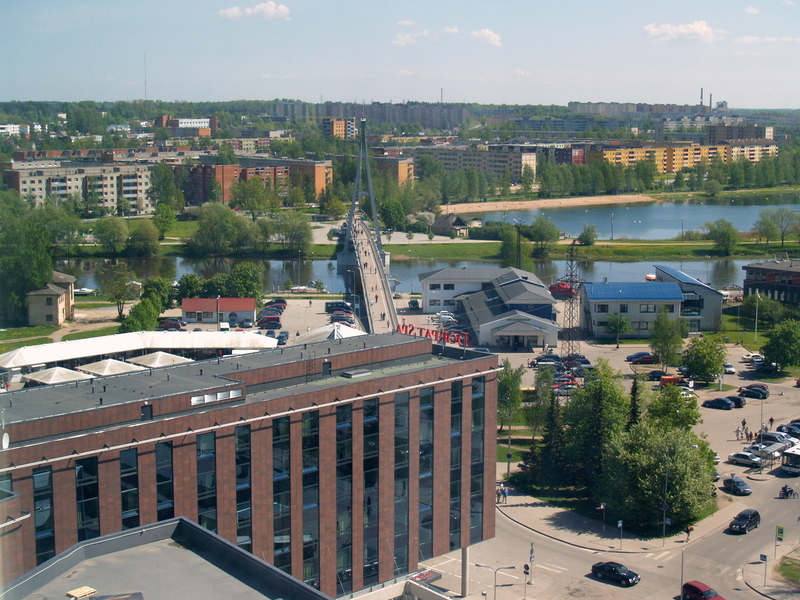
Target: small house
218, 310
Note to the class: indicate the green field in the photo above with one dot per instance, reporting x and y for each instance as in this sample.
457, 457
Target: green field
9, 346
27, 332
82, 335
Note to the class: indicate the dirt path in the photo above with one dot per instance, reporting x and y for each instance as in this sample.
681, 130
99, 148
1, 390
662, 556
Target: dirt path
474, 207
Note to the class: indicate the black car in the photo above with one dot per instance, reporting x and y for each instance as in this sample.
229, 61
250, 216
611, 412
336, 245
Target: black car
745, 521
644, 359
283, 337
790, 430
738, 401
630, 357
757, 393
656, 375
270, 325
736, 486
615, 572
721, 403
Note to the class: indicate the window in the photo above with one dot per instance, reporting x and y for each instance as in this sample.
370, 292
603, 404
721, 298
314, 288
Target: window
434, 286
647, 308
450, 286
450, 302
165, 497
601, 308
129, 487
623, 308
207, 481
435, 303
87, 496
48, 317
244, 523
48, 301
43, 514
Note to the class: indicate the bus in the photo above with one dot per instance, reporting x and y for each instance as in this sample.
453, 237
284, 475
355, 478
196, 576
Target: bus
790, 462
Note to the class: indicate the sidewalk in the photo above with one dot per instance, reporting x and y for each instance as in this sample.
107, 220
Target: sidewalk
577, 530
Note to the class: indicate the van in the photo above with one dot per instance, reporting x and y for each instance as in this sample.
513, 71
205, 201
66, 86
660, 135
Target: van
223, 326
669, 380
269, 319
338, 305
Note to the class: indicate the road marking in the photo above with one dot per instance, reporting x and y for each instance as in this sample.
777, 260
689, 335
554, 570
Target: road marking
554, 569
663, 554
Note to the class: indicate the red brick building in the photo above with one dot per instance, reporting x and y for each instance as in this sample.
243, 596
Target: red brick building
342, 463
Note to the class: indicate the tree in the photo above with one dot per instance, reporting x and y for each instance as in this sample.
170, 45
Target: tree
704, 358
617, 325
671, 410
769, 311
226, 155
724, 236
142, 317
713, 188
111, 233
783, 346
116, 280
509, 393
636, 466
785, 220
250, 196
666, 337
294, 232
588, 236
159, 290
766, 227
637, 394
593, 416
163, 188
247, 280
554, 440
528, 177
143, 241
164, 219
190, 285
542, 233
216, 231
535, 411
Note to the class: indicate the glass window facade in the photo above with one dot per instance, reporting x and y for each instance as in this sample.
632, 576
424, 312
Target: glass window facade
311, 498
244, 497
476, 498
371, 426
281, 495
426, 473
165, 492
87, 496
344, 499
43, 514
456, 414
207, 481
129, 487
401, 458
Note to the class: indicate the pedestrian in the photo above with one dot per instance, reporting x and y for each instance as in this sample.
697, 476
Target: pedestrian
309, 302
688, 531
744, 423
738, 433
505, 495
499, 494
771, 422
763, 427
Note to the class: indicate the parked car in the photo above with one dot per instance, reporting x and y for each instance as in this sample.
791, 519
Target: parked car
688, 393
337, 305
738, 401
247, 323
630, 357
757, 393
765, 451
745, 521
616, 572
694, 590
748, 459
270, 325
736, 486
791, 430
776, 437
413, 304
645, 359
729, 369
657, 375
283, 337
169, 324
750, 356
720, 403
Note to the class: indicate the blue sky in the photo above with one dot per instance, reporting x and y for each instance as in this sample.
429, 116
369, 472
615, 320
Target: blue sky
506, 51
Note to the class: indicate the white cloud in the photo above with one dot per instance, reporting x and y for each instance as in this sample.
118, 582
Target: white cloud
451, 29
406, 39
522, 73
787, 3
752, 39
699, 30
748, 39
266, 10
486, 36
406, 23
751, 10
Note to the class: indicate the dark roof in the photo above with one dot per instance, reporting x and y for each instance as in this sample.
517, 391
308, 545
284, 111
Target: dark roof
682, 277
525, 292
449, 221
59, 277
48, 290
170, 559
791, 265
478, 274
655, 291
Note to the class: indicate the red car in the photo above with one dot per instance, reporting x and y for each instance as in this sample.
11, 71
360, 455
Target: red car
645, 359
694, 590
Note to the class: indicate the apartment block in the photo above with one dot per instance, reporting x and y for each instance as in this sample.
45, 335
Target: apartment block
341, 128
495, 159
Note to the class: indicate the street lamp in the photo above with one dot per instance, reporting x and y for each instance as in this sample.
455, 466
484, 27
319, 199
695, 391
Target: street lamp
494, 594
353, 282
217, 313
755, 336
519, 243
612, 225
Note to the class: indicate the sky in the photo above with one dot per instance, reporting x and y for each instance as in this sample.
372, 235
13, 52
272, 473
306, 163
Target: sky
503, 52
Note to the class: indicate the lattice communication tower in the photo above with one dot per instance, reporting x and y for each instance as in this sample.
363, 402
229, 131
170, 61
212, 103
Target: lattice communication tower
570, 329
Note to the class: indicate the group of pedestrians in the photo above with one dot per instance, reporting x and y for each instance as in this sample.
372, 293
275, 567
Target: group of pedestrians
502, 494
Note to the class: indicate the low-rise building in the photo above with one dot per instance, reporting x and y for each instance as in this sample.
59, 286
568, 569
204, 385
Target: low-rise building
775, 279
448, 224
701, 305
218, 310
54, 303
639, 302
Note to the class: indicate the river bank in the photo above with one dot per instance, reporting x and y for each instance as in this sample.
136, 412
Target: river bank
474, 207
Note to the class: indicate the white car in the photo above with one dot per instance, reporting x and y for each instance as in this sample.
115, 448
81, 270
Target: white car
750, 356
729, 369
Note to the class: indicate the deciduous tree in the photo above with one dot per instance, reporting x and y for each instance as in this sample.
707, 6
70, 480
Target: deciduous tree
724, 236
666, 338
509, 392
704, 358
116, 280
783, 346
111, 233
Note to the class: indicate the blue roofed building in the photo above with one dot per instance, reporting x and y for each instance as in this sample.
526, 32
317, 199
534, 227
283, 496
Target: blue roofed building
702, 304
640, 302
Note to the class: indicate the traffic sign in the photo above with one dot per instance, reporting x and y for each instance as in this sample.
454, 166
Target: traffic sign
762, 557
508, 456
531, 558
668, 521
779, 533
665, 506
619, 524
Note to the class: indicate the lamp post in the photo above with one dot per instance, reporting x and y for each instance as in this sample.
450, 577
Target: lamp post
755, 336
519, 243
612, 225
217, 313
494, 594
681, 228
352, 284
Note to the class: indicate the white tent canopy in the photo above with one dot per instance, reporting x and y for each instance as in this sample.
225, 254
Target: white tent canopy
56, 375
132, 342
334, 331
109, 367
159, 359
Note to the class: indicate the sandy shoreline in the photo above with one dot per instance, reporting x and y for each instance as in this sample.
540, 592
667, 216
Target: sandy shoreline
475, 207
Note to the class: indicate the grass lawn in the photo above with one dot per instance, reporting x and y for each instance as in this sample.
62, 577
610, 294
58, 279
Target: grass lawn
27, 332
9, 346
789, 568
487, 251
81, 335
